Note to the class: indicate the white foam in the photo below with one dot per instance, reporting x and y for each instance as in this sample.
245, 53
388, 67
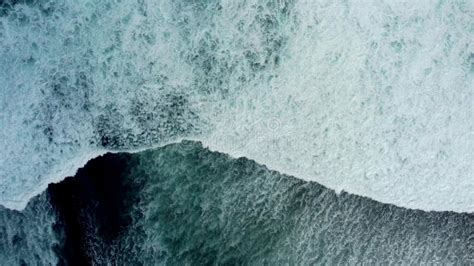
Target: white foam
373, 98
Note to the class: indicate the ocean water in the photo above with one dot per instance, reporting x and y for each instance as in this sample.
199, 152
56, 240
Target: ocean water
370, 97
183, 204
236, 132
29, 237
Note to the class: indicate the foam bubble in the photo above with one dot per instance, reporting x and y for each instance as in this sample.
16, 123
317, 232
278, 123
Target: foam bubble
371, 99
374, 99
28, 237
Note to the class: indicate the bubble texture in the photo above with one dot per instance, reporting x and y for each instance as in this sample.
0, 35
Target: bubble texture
371, 97
28, 237
80, 78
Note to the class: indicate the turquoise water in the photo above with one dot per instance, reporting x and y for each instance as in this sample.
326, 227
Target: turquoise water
241, 132
183, 204
370, 97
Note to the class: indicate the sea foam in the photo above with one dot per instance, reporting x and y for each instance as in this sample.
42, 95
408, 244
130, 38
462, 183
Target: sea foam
374, 98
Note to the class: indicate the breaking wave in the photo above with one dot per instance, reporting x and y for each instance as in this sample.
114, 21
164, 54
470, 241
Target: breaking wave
374, 98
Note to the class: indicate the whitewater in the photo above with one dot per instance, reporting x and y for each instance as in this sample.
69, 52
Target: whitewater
371, 97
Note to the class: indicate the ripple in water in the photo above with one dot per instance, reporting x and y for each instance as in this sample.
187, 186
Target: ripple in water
185, 204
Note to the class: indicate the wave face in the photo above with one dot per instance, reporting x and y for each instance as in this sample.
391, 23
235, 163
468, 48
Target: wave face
371, 98
183, 204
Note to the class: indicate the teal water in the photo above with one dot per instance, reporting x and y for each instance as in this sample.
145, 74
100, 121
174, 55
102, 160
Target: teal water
183, 204
370, 97
29, 237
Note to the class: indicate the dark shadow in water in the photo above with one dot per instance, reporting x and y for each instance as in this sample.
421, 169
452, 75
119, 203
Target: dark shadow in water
93, 207
184, 204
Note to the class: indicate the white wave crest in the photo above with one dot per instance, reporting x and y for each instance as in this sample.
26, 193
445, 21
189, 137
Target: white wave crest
374, 98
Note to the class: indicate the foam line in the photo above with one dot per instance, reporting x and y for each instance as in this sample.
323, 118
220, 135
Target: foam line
374, 98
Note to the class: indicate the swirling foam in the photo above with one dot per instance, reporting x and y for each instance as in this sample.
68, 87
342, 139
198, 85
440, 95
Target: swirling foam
371, 98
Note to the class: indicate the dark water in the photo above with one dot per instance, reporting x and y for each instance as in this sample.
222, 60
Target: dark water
182, 204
